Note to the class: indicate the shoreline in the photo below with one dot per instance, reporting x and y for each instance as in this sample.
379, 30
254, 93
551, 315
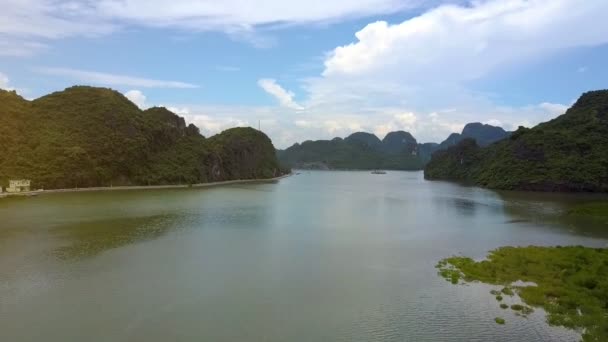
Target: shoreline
143, 187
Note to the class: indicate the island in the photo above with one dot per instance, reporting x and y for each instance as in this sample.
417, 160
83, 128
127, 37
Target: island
398, 150
85, 137
566, 154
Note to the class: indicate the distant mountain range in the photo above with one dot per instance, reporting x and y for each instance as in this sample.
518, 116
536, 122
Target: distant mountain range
85, 136
363, 151
568, 153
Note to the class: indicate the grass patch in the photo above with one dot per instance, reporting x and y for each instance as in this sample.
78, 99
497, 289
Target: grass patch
572, 283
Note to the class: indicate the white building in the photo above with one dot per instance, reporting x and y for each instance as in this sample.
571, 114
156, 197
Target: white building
19, 185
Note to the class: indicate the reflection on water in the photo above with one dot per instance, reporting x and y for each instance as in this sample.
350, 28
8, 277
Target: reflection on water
552, 209
88, 238
322, 256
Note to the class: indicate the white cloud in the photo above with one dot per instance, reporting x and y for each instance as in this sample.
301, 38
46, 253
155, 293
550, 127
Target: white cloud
211, 120
137, 97
94, 77
425, 64
235, 14
456, 43
553, 108
27, 25
4, 81
493, 122
284, 97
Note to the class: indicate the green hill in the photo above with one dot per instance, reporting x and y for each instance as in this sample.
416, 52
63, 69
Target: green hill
359, 151
568, 153
363, 151
483, 134
85, 136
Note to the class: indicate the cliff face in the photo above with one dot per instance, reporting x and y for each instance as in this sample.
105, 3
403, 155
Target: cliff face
242, 153
483, 135
569, 153
85, 136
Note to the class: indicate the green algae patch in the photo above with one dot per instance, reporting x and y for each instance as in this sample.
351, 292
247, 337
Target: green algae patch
499, 298
499, 320
517, 307
504, 306
507, 291
571, 283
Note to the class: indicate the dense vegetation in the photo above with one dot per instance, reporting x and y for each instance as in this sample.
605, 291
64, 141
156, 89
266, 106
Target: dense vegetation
571, 283
85, 136
397, 151
569, 153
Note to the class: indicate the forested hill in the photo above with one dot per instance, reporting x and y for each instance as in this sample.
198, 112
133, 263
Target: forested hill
569, 153
397, 151
86, 136
483, 134
361, 151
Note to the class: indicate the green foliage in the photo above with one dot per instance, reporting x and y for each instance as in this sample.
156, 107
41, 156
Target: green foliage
499, 298
571, 282
568, 153
85, 136
504, 306
499, 320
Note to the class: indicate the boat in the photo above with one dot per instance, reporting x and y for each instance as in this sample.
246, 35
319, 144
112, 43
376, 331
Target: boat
378, 172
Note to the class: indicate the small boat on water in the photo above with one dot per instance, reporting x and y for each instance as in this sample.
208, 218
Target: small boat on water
378, 172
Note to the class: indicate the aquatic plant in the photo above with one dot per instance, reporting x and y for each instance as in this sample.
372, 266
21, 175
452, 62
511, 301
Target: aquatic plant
571, 283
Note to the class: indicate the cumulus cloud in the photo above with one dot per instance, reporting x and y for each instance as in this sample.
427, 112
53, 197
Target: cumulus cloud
137, 97
425, 64
284, 97
465, 42
4, 81
94, 77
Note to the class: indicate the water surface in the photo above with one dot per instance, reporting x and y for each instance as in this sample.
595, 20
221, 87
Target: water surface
321, 256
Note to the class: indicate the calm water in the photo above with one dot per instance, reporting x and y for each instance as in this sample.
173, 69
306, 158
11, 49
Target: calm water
321, 256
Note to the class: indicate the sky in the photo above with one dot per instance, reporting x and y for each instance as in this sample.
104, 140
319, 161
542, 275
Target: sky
316, 69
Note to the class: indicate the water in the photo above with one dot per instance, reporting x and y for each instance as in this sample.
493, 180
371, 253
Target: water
321, 256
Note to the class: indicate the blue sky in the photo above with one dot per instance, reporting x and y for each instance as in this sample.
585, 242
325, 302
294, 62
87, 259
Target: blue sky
316, 69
